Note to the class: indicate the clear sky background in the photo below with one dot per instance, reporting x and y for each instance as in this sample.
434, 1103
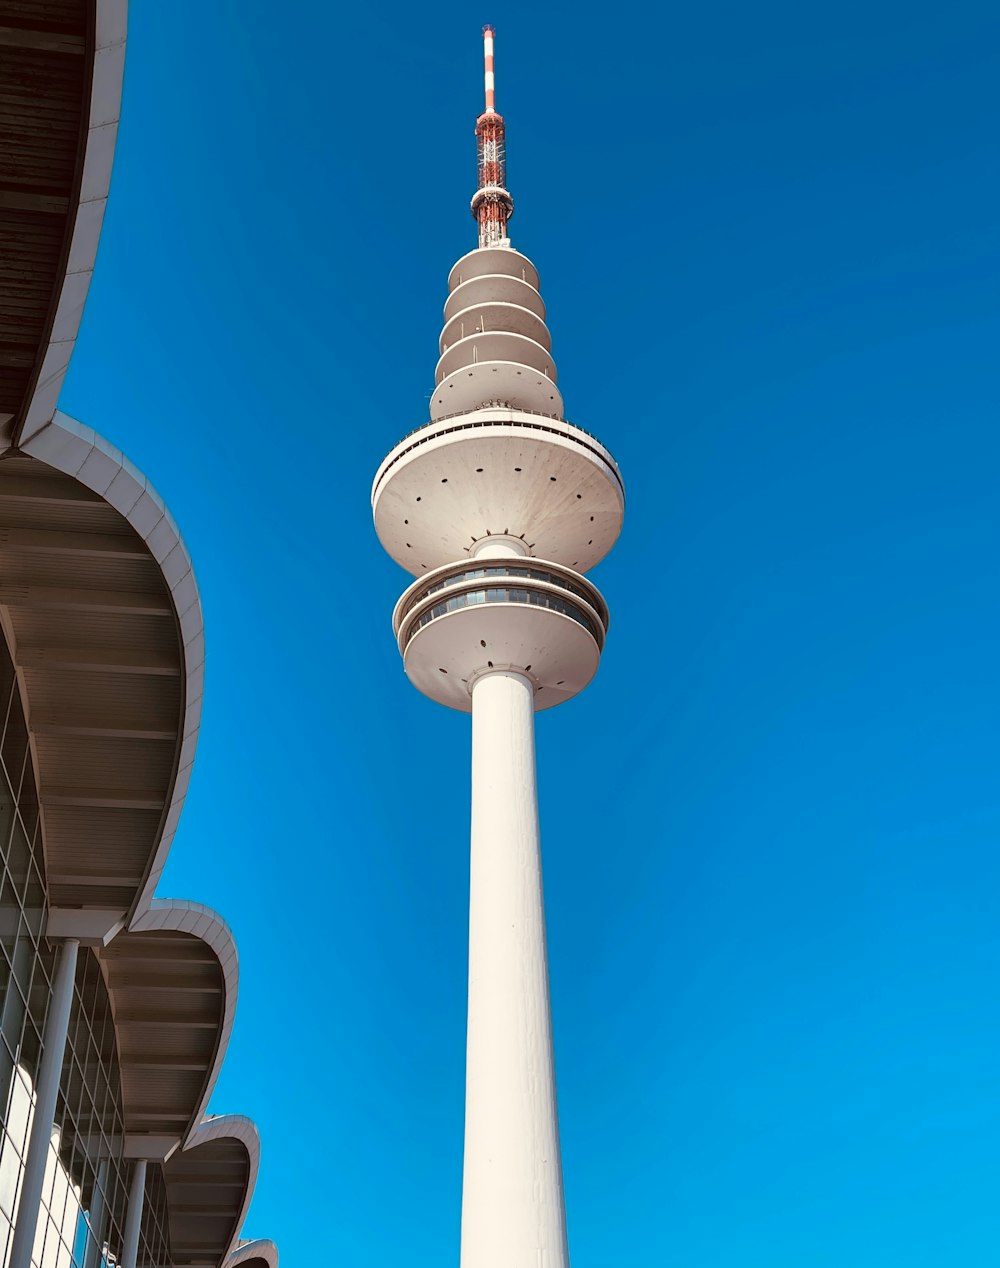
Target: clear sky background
767, 237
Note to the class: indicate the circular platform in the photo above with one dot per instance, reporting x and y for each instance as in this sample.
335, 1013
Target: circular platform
476, 386
498, 471
496, 260
538, 619
494, 288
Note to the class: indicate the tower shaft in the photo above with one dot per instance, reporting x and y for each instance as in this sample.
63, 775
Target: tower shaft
512, 1200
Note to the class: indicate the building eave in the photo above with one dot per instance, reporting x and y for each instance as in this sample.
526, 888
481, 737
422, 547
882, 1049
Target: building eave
200, 922
233, 1144
258, 1253
108, 21
77, 451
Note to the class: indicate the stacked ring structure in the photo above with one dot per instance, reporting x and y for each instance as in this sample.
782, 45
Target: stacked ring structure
532, 617
498, 504
495, 344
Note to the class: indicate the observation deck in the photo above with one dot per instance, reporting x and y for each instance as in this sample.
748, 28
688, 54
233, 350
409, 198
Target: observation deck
498, 471
465, 620
497, 480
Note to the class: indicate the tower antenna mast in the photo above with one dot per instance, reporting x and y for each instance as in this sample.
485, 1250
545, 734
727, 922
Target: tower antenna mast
492, 205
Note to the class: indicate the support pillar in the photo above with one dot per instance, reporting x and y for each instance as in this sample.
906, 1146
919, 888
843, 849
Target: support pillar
12, 1014
98, 1213
512, 1201
133, 1220
46, 1093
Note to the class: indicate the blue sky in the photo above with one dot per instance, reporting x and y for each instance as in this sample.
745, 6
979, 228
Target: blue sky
767, 240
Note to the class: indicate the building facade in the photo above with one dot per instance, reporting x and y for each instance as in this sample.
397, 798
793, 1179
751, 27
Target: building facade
116, 1007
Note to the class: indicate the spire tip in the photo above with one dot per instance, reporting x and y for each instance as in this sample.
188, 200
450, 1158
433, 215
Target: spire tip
488, 34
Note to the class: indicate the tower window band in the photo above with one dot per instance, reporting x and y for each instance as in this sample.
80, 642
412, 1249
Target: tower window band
508, 594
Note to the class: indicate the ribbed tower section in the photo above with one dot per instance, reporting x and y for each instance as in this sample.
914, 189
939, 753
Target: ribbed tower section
498, 506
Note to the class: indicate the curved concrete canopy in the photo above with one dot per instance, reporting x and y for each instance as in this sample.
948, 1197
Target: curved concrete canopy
61, 66
209, 1186
260, 1253
100, 607
101, 611
97, 597
172, 980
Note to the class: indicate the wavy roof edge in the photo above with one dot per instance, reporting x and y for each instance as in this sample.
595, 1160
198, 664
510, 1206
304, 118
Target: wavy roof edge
111, 28
170, 915
222, 1129
258, 1252
43, 432
78, 451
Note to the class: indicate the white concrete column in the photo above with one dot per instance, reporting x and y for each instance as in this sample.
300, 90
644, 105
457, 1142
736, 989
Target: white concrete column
98, 1212
512, 1198
12, 1012
133, 1219
46, 1093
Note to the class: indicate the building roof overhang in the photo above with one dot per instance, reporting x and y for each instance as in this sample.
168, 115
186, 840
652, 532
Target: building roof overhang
260, 1253
98, 600
61, 65
209, 1186
172, 980
101, 612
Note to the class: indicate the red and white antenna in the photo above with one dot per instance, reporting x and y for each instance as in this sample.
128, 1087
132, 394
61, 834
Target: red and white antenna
488, 34
492, 205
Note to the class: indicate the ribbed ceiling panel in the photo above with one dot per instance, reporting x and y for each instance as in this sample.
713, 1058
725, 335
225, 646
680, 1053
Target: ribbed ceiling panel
205, 1190
167, 991
96, 640
44, 76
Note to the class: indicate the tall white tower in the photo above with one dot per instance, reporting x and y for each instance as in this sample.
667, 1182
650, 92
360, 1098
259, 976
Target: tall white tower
497, 506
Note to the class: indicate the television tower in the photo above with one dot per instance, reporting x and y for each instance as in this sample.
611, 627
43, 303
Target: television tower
497, 506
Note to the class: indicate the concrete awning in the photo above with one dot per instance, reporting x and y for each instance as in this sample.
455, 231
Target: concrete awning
254, 1254
101, 611
172, 981
209, 1186
61, 64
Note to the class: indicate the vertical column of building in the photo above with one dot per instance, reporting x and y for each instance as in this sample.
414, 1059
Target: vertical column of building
46, 1094
133, 1217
